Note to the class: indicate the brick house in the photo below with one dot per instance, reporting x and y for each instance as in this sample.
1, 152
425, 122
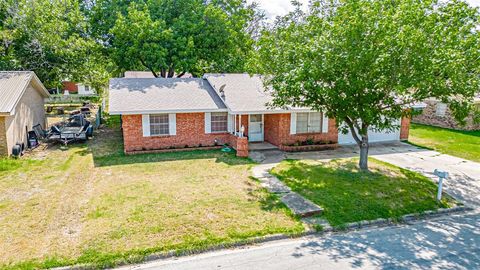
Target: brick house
160, 113
438, 114
21, 107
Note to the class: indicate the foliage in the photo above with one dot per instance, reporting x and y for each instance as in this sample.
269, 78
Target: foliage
49, 37
364, 62
171, 38
464, 144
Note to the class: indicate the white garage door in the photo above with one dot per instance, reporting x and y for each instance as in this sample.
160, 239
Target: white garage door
372, 137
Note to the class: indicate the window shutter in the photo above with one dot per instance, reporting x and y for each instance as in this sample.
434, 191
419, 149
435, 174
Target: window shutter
230, 123
293, 123
325, 124
146, 125
172, 124
208, 123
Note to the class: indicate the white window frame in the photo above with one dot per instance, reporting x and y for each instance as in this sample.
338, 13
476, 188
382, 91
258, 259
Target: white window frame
309, 123
211, 122
167, 124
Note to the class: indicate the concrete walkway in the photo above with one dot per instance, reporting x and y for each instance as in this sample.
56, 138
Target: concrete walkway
299, 205
447, 242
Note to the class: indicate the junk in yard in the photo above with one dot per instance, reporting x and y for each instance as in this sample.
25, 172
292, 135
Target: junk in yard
76, 128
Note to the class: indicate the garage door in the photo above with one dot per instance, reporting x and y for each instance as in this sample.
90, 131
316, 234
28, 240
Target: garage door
372, 136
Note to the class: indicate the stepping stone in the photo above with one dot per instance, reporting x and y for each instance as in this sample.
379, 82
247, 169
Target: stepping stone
273, 185
300, 206
317, 221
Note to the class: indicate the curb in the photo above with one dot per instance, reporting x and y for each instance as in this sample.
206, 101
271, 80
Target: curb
276, 237
404, 219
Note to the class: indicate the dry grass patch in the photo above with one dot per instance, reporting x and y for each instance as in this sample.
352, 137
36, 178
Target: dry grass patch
92, 204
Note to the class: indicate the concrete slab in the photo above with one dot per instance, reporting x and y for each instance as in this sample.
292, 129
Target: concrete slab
260, 146
273, 185
300, 206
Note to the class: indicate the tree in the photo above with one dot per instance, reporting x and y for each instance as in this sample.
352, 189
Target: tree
50, 38
172, 37
365, 62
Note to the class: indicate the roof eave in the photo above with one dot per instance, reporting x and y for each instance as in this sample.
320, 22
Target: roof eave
140, 112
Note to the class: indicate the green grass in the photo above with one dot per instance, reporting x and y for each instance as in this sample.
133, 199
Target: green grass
92, 204
349, 195
464, 144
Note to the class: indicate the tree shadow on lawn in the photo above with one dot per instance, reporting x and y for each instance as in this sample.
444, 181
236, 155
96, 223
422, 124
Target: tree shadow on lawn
107, 150
448, 243
347, 195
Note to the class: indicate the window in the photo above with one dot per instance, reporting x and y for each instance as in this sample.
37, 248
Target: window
159, 124
441, 109
219, 122
309, 122
87, 88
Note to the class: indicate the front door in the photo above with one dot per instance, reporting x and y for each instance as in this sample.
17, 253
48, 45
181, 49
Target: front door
255, 128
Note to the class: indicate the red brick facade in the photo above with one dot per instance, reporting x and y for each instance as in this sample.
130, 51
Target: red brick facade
404, 128
277, 131
190, 132
70, 86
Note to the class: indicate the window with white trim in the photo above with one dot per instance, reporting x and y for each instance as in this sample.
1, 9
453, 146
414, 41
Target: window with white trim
441, 109
219, 122
309, 122
159, 124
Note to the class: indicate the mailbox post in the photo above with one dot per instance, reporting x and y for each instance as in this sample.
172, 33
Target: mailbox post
441, 175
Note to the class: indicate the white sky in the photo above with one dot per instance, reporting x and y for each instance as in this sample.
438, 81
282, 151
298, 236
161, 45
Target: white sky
275, 8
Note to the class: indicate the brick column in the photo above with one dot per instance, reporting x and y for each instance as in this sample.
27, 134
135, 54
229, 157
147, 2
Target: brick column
405, 128
242, 147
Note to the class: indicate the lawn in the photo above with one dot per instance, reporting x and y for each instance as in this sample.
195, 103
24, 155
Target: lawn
348, 195
92, 204
464, 144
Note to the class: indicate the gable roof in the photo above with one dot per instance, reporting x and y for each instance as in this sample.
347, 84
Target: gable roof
161, 95
13, 85
243, 93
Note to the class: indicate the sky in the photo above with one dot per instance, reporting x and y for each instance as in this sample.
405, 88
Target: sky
275, 8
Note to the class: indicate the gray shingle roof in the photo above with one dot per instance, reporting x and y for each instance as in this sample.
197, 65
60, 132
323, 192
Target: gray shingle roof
243, 93
13, 85
157, 95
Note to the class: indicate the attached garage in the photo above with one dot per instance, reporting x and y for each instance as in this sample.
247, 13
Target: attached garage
373, 136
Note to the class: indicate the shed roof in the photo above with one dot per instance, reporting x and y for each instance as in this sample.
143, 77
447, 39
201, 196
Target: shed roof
13, 85
161, 95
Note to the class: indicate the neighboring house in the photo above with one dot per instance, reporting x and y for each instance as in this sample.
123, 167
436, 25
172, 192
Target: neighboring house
216, 109
77, 88
21, 107
438, 114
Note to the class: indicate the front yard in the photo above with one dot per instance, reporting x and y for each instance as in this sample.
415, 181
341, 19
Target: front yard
92, 204
347, 195
464, 144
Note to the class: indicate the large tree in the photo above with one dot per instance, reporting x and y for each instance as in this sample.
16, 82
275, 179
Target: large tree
50, 37
365, 62
171, 37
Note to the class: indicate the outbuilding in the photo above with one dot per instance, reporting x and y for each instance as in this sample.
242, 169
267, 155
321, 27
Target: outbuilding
22, 107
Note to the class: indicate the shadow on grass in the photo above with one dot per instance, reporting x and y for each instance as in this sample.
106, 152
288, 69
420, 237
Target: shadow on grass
348, 195
107, 150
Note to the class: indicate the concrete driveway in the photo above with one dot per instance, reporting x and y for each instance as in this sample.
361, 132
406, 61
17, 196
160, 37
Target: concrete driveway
448, 242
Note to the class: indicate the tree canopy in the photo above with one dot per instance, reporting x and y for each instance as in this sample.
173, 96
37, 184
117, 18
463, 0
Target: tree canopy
365, 62
171, 37
49, 37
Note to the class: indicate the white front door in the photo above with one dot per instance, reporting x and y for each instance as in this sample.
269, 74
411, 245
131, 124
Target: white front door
255, 128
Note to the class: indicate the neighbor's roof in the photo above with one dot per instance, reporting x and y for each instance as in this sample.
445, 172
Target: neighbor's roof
160, 95
243, 93
13, 85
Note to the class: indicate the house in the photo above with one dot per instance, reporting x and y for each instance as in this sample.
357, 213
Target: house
77, 88
21, 107
161, 113
147, 74
437, 113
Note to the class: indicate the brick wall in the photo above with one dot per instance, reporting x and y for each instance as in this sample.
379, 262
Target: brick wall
404, 128
277, 131
3, 137
429, 117
190, 132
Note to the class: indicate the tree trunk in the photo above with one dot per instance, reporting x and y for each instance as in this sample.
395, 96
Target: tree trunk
363, 163
171, 72
163, 73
